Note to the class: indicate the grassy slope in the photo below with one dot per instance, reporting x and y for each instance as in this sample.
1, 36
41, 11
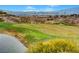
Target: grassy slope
38, 32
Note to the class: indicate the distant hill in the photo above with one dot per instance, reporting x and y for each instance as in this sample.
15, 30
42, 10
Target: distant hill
68, 11
59, 12
30, 13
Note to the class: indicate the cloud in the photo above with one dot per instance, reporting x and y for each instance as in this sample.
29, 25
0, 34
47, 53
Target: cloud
32, 8
52, 6
48, 9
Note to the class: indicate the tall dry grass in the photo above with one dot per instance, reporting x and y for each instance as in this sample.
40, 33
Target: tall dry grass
55, 46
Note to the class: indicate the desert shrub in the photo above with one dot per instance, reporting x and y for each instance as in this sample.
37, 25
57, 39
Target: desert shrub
70, 22
54, 46
1, 20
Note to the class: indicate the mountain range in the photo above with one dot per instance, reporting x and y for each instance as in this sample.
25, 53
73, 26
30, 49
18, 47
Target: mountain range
59, 12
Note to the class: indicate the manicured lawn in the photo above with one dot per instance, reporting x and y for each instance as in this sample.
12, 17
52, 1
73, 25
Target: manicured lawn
40, 32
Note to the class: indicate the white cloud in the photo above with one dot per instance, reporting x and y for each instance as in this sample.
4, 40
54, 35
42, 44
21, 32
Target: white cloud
31, 8
52, 6
48, 9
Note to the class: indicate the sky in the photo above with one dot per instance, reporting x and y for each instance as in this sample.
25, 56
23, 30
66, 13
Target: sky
35, 7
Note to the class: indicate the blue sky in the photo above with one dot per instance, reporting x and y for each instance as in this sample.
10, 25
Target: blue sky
35, 7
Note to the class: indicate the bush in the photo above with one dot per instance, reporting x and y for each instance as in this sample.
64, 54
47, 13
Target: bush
1, 20
54, 46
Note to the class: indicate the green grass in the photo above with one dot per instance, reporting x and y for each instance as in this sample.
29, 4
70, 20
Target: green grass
32, 35
41, 32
